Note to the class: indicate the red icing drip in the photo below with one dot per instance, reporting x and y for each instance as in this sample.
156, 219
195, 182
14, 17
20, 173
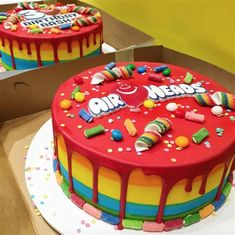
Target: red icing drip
20, 46
80, 48
218, 194
70, 171
55, 53
120, 227
29, 52
3, 42
69, 46
203, 185
94, 38
38, 54
95, 183
166, 188
87, 42
124, 185
12, 56
188, 186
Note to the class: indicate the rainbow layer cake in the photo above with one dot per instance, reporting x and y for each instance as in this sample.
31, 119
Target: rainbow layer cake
34, 35
144, 145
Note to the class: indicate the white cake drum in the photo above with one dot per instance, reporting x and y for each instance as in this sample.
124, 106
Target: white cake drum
67, 218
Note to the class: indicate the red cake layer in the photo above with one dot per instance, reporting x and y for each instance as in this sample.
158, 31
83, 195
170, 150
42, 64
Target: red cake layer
196, 159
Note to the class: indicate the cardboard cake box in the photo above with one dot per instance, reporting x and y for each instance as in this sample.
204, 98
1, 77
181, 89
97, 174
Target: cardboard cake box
32, 92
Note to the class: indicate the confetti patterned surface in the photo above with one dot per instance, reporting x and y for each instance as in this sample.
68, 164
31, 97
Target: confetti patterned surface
66, 218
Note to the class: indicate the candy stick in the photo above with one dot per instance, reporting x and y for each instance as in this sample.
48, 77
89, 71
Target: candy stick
110, 65
204, 99
160, 68
85, 115
3, 17
199, 136
188, 78
160, 125
132, 131
111, 75
76, 89
155, 78
36, 31
195, 117
94, 131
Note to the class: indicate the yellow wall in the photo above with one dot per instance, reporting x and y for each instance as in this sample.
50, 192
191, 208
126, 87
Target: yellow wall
202, 28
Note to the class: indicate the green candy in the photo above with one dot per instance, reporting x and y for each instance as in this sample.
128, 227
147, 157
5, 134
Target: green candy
188, 78
166, 72
77, 89
42, 5
131, 66
3, 17
191, 219
132, 224
36, 31
65, 189
227, 189
97, 130
199, 136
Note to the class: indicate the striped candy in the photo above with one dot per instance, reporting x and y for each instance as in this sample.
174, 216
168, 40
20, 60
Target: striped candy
84, 10
152, 134
111, 75
227, 100
26, 5
85, 21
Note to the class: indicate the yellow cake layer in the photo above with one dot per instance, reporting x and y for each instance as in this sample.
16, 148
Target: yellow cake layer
142, 189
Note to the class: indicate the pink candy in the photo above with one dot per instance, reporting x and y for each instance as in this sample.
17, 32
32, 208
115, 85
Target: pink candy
173, 224
92, 211
155, 78
195, 117
77, 200
153, 226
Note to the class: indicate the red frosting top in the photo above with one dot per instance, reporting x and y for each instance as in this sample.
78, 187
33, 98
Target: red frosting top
217, 147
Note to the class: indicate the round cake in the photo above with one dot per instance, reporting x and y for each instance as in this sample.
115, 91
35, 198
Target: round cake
34, 35
144, 145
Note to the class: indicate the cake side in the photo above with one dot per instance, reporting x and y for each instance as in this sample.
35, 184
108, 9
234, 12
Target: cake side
38, 35
163, 183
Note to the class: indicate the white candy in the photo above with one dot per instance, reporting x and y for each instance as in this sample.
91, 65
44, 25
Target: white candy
171, 107
217, 110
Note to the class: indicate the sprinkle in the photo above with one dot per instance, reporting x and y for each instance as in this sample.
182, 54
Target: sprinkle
109, 150
232, 118
62, 125
172, 142
179, 148
118, 117
120, 149
79, 126
26, 147
166, 141
166, 150
110, 120
128, 149
87, 225
173, 160
139, 153
226, 114
61, 94
169, 135
195, 110
169, 145
146, 112
173, 115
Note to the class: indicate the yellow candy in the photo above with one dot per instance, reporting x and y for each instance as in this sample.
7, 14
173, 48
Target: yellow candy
65, 104
182, 141
14, 27
79, 97
75, 28
33, 26
149, 104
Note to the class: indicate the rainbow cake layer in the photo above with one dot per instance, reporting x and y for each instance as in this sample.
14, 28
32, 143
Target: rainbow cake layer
34, 35
144, 145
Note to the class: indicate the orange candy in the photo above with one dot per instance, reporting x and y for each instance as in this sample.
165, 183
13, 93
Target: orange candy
75, 28
182, 141
65, 104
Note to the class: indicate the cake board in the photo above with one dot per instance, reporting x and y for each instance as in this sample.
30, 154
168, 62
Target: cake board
66, 218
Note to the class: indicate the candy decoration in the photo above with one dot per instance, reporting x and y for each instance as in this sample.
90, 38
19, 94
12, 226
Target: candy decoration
146, 141
55, 31
173, 224
149, 104
76, 89
141, 69
33, 26
188, 78
134, 96
36, 31
206, 211
227, 100
160, 68
84, 10
160, 125
191, 219
166, 72
116, 135
65, 104
110, 65
150, 226
182, 141
180, 113
132, 131
14, 27
111, 219
85, 115
26, 6
75, 28
79, 97
131, 66
85, 21
171, 107
94, 131
219, 203
111, 75
93, 211
78, 80
151, 134
11, 20
199, 136
217, 110
195, 117
65, 26
132, 224
2, 17
155, 78
3, 14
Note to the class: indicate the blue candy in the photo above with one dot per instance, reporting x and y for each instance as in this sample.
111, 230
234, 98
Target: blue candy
141, 69
116, 135
85, 115
3, 13
219, 203
109, 66
159, 69
111, 219
65, 26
